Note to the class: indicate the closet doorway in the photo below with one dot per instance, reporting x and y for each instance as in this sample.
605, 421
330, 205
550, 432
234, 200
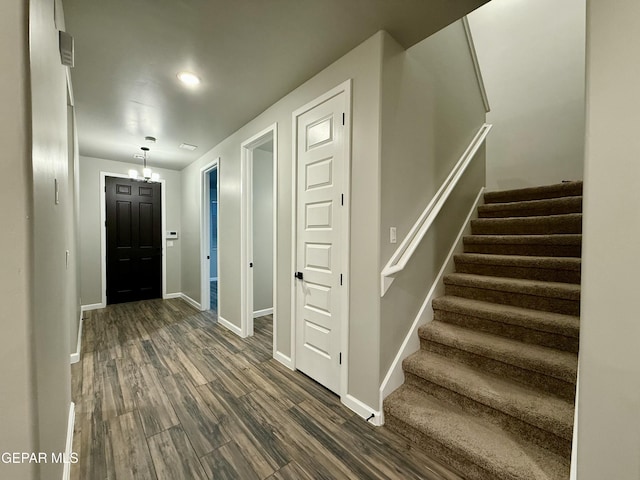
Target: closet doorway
210, 250
258, 228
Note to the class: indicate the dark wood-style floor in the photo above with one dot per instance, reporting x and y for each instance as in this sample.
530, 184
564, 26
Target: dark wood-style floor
163, 392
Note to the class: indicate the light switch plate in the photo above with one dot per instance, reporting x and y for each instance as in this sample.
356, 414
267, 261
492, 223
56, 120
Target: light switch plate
392, 235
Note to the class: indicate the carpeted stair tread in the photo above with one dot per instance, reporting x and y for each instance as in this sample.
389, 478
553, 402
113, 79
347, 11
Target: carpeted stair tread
558, 239
550, 206
567, 325
534, 245
535, 294
553, 269
547, 269
470, 440
565, 189
537, 327
565, 263
547, 361
541, 410
570, 223
537, 288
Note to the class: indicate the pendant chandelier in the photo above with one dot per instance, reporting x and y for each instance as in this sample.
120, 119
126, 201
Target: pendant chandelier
147, 174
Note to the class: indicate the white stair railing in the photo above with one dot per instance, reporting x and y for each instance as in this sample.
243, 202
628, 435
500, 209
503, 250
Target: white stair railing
409, 244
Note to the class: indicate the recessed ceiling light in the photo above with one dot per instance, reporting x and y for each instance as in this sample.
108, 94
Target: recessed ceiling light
189, 79
188, 146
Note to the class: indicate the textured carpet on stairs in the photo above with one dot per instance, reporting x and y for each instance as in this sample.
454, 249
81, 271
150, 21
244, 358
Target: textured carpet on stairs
491, 390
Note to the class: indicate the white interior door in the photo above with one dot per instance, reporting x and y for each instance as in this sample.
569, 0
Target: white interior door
319, 240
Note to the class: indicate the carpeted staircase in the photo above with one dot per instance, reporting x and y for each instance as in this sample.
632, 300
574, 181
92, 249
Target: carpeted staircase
491, 391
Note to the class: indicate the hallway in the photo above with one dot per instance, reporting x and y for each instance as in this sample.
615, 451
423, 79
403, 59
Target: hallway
163, 392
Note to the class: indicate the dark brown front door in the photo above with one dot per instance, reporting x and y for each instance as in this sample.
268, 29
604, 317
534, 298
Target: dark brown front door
134, 240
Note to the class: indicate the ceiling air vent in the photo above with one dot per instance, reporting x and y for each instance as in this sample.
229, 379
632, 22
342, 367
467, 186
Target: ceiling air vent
66, 49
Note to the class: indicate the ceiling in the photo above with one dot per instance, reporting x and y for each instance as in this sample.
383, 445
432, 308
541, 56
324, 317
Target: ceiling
248, 53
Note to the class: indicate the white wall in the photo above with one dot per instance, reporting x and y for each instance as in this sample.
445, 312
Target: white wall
37, 286
609, 395
531, 54
363, 65
16, 277
262, 229
73, 270
431, 110
90, 254
51, 239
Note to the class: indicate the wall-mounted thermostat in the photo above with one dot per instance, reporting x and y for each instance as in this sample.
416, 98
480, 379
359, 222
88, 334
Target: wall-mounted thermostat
172, 234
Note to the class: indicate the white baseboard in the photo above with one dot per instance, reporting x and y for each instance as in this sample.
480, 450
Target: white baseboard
573, 473
230, 326
168, 296
284, 360
411, 344
262, 313
75, 357
362, 409
66, 471
93, 306
190, 301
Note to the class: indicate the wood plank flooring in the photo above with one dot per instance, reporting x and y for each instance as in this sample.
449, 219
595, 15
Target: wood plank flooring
163, 392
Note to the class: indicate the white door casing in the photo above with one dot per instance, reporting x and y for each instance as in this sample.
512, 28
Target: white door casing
246, 229
321, 247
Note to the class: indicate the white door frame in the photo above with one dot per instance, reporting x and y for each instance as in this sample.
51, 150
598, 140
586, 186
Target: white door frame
103, 232
246, 228
205, 228
346, 223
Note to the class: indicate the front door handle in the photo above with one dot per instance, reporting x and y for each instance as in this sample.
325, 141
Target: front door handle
298, 275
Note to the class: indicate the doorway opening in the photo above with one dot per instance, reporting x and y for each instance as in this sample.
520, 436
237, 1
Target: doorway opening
213, 239
258, 229
210, 281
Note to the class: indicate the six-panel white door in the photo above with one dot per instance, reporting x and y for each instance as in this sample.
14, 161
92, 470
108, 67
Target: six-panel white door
320, 178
